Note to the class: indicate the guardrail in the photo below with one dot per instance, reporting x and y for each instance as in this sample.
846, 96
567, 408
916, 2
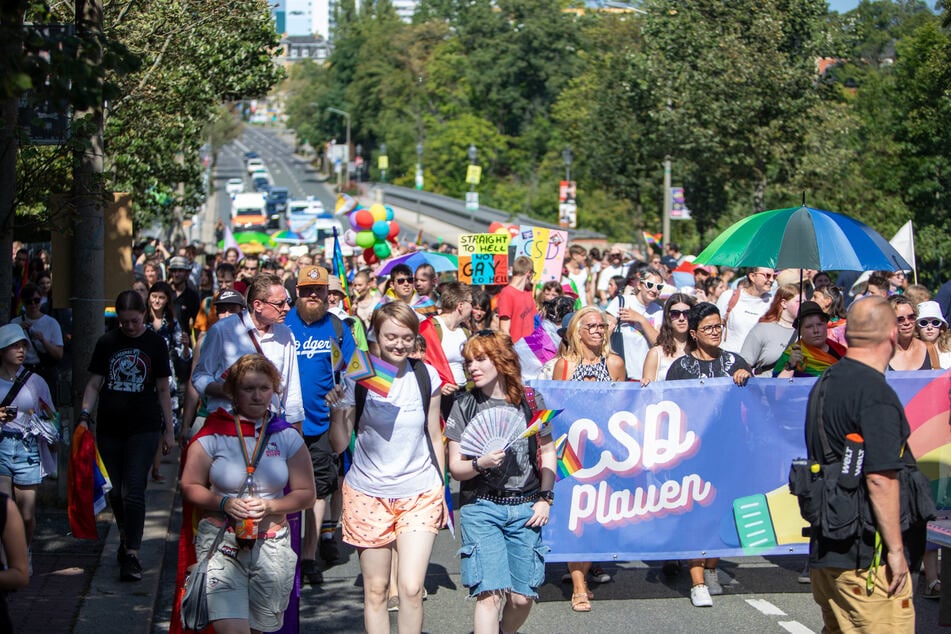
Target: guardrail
453, 211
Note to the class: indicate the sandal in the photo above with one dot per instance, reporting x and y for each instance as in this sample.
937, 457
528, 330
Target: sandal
933, 591
580, 602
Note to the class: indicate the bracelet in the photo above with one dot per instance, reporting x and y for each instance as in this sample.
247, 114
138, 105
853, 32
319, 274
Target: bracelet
224, 500
475, 465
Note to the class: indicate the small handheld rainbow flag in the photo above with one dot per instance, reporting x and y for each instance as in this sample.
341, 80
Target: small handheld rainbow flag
540, 421
340, 271
568, 461
359, 367
653, 238
383, 377
336, 357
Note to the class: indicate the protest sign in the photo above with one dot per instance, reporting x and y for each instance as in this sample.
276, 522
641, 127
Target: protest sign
483, 258
546, 248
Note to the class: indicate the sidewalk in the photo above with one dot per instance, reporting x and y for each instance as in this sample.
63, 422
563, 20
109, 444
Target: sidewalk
75, 585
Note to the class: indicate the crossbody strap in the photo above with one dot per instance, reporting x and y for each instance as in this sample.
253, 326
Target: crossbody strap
18, 384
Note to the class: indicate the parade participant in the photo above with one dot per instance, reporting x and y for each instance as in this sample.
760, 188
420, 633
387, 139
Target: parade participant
911, 353
774, 332
933, 329
424, 280
742, 307
445, 335
614, 268
335, 297
251, 573
364, 297
140, 287
516, 306
207, 317
316, 331
814, 352
25, 457
260, 329
505, 496
547, 291
671, 338
587, 357
640, 316
44, 335
482, 317
187, 300
704, 358
393, 494
129, 374
831, 300
854, 592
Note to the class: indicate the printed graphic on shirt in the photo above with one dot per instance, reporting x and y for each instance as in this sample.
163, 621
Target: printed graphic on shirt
128, 370
313, 345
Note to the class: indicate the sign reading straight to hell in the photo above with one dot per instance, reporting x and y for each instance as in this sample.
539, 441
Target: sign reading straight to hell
483, 258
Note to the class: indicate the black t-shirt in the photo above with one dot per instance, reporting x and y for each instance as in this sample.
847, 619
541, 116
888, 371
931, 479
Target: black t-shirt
690, 367
857, 399
128, 400
186, 308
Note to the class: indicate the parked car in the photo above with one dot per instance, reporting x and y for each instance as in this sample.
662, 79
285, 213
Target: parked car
234, 186
254, 164
261, 184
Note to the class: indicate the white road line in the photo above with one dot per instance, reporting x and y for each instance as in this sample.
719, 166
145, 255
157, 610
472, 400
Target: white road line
795, 627
765, 607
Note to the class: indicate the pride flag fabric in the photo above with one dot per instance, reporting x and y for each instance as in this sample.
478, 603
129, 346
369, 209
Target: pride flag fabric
653, 239
383, 376
359, 367
815, 361
340, 271
540, 421
568, 461
88, 483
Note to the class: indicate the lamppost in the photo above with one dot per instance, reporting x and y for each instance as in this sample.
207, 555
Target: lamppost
346, 158
473, 154
384, 162
419, 181
360, 167
569, 158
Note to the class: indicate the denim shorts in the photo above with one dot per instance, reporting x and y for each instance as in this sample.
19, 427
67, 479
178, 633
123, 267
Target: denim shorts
498, 551
20, 459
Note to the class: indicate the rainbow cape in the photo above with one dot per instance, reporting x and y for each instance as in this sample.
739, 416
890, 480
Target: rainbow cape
568, 461
814, 360
340, 271
383, 376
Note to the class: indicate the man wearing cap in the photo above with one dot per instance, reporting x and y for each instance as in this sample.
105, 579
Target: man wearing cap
320, 336
260, 330
335, 296
615, 266
187, 301
742, 307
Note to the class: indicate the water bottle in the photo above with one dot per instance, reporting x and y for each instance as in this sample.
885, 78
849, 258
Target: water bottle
246, 530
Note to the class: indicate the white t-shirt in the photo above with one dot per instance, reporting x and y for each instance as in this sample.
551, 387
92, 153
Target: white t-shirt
636, 345
228, 471
391, 456
580, 278
452, 342
606, 273
51, 332
745, 315
28, 398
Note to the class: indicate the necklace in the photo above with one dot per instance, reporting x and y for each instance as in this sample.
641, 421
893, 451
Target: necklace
13, 376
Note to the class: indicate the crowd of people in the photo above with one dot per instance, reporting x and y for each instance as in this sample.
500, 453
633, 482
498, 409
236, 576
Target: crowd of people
238, 358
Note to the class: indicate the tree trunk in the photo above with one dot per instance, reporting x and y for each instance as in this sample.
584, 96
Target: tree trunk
11, 25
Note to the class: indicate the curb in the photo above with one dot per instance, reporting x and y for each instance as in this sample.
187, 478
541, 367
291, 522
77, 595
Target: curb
115, 607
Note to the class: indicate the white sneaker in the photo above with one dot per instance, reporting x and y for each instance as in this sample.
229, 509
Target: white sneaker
700, 596
713, 583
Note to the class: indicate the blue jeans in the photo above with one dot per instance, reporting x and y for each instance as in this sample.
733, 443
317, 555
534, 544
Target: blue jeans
498, 551
128, 459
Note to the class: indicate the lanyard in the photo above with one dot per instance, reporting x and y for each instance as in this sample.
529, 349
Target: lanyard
252, 460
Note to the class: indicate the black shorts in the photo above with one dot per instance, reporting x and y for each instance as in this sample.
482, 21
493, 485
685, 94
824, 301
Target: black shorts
325, 462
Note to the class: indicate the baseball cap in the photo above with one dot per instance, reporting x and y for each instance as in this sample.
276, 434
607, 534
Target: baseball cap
312, 275
179, 262
335, 285
229, 296
10, 334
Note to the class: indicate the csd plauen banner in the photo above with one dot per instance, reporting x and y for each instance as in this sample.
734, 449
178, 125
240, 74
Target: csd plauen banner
691, 469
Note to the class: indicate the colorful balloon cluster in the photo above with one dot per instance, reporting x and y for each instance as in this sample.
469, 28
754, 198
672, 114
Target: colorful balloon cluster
373, 230
504, 228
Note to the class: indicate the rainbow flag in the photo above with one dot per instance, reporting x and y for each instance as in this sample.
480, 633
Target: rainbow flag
101, 484
814, 360
424, 305
540, 421
383, 376
88, 482
655, 239
568, 461
336, 357
340, 271
360, 367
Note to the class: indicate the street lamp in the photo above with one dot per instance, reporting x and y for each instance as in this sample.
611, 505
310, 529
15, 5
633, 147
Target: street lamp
473, 205
384, 162
346, 162
569, 158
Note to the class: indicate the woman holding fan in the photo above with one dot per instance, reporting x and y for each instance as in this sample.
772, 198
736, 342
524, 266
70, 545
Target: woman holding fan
505, 486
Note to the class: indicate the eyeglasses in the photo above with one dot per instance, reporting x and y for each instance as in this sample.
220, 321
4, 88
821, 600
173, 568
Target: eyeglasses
403, 280
595, 327
651, 285
280, 305
678, 314
711, 329
934, 323
904, 319
766, 276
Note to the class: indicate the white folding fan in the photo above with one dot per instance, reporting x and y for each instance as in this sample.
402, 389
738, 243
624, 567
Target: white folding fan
491, 430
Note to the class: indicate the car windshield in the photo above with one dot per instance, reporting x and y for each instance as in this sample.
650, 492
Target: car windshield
249, 212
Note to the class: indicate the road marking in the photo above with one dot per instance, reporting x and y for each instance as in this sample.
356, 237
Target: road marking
765, 607
795, 627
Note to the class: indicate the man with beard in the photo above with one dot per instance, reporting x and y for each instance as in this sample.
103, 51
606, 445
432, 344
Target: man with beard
317, 332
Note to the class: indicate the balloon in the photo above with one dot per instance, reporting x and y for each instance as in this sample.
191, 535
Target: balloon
364, 219
389, 212
378, 212
350, 238
353, 221
394, 230
381, 228
495, 226
513, 231
365, 239
501, 231
381, 249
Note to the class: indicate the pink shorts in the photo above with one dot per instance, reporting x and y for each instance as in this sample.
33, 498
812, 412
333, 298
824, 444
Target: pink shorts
371, 522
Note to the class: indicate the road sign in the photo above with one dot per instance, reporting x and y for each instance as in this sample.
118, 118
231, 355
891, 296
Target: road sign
474, 174
472, 201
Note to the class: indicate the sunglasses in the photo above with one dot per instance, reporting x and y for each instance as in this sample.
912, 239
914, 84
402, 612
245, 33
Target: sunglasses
904, 319
403, 280
766, 276
281, 305
678, 314
595, 327
934, 323
485, 333
651, 285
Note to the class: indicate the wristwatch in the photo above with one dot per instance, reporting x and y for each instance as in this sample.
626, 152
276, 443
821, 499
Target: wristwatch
548, 496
